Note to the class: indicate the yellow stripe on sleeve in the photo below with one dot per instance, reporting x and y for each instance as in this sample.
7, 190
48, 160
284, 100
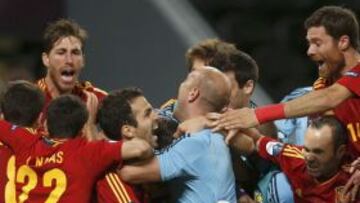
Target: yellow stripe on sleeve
117, 179
118, 187
114, 190
298, 156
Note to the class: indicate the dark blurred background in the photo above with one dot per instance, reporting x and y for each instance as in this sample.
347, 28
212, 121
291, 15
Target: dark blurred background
141, 42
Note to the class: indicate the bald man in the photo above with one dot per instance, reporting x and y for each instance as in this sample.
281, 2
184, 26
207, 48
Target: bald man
198, 168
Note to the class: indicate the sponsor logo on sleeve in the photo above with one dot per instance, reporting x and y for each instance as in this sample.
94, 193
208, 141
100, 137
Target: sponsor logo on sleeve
14, 127
274, 148
352, 74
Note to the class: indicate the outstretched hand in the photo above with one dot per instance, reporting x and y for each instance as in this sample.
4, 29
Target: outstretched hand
351, 189
192, 125
90, 130
243, 118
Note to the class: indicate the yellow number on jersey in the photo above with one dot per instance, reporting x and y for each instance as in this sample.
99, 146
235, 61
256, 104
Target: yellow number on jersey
60, 185
25, 172
354, 130
10, 192
57, 175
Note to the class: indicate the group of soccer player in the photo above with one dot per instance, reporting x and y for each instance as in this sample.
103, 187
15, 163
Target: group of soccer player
62, 140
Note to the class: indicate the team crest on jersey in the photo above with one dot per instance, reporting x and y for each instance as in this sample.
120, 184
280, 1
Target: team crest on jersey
351, 74
274, 148
339, 195
298, 192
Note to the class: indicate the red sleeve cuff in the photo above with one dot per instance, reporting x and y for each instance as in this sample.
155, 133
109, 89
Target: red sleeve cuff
261, 146
270, 112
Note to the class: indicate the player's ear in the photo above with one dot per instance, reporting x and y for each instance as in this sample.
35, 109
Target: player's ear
1, 116
193, 94
45, 59
127, 131
341, 151
344, 42
249, 87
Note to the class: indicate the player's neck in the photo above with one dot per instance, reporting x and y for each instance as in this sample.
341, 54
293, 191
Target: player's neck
52, 88
352, 58
327, 177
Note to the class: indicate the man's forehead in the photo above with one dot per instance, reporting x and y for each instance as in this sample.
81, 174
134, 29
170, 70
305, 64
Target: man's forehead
318, 137
71, 39
140, 104
318, 31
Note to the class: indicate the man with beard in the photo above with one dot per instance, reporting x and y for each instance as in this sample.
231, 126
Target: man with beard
197, 167
123, 116
333, 36
314, 171
63, 56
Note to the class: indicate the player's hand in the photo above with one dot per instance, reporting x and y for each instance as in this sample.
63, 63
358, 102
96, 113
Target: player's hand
90, 130
355, 165
246, 199
236, 119
92, 103
351, 188
253, 133
192, 126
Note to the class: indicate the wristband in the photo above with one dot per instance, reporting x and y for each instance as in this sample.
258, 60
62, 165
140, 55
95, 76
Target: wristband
270, 112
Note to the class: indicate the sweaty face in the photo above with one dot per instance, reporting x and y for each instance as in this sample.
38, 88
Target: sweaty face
321, 162
323, 49
146, 120
64, 63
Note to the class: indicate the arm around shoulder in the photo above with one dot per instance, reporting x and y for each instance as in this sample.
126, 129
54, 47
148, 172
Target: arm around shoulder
141, 172
136, 149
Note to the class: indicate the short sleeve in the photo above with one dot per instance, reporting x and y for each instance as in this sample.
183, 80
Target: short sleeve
103, 154
286, 156
176, 161
351, 80
16, 138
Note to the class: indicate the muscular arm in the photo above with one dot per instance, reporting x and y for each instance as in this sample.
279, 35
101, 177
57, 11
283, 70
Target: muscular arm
136, 149
317, 101
147, 171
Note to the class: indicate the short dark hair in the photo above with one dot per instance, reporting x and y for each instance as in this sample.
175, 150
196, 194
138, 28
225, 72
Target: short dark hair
165, 131
337, 21
213, 52
66, 116
244, 67
115, 111
60, 29
22, 103
339, 134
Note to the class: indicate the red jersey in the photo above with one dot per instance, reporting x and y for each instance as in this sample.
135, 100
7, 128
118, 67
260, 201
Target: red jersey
291, 161
57, 171
111, 189
7, 168
79, 90
348, 112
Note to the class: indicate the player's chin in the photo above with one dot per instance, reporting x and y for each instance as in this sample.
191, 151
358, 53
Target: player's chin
67, 87
314, 172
